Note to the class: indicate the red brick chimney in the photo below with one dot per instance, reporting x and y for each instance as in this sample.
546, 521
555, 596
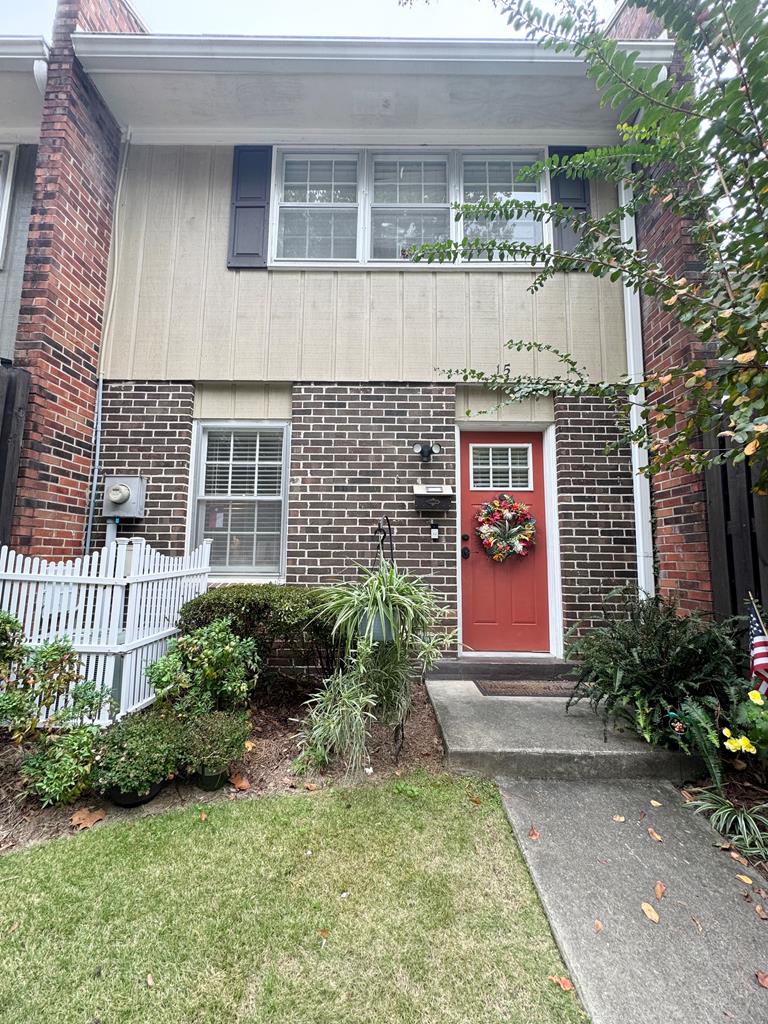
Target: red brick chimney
64, 290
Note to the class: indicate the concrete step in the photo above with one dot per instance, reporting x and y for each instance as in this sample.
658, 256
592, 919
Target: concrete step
697, 964
501, 669
534, 738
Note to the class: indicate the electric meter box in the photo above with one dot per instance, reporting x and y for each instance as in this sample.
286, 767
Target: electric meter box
432, 497
124, 497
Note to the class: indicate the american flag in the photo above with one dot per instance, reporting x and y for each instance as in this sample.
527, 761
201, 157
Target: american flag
758, 649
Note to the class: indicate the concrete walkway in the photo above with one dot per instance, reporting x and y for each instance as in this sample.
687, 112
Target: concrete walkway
698, 964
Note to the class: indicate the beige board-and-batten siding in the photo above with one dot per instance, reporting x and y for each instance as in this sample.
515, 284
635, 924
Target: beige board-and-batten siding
178, 313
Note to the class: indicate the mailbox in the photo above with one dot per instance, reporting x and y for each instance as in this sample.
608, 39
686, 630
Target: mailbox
432, 497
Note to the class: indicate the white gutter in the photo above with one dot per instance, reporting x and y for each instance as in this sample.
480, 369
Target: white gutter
18, 53
103, 52
641, 488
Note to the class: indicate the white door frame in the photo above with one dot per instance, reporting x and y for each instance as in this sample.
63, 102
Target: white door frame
554, 586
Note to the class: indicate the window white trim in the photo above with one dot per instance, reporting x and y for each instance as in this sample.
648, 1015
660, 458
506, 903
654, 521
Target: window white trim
365, 156
492, 487
7, 168
196, 496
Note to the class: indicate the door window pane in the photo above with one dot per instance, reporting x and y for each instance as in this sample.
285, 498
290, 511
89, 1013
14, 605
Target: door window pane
500, 466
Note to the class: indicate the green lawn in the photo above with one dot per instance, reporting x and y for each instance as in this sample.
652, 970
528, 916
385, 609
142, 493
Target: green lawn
400, 903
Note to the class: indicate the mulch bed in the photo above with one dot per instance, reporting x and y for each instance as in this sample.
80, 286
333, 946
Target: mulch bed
267, 767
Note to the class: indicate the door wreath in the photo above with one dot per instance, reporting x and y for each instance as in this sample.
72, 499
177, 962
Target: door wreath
505, 527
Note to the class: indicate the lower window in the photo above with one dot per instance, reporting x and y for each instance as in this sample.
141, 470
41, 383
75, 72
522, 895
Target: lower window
240, 497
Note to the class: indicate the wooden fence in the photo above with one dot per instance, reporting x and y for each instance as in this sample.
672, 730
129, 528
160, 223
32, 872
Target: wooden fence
738, 536
118, 606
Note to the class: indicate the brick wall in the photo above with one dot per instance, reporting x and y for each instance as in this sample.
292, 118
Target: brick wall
596, 506
64, 286
679, 498
351, 462
634, 23
147, 430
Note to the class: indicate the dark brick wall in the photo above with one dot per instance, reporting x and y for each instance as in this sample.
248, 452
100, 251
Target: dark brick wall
64, 287
147, 430
351, 462
596, 506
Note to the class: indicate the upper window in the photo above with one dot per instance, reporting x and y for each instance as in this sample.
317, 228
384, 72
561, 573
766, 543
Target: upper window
410, 205
500, 178
7, 162
376, 207
241, 497
318, 209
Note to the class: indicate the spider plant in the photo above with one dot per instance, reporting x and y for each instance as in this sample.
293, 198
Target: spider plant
745, 828
383, 604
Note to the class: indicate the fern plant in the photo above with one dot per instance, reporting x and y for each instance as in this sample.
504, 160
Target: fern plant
669, 677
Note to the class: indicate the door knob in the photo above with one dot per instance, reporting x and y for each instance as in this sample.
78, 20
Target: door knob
465, 552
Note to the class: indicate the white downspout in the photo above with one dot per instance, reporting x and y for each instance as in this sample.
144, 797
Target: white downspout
641, 488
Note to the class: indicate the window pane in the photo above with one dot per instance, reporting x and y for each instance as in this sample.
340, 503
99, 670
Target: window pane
317, 234
397, 230
320, 181
501, 179
410, 181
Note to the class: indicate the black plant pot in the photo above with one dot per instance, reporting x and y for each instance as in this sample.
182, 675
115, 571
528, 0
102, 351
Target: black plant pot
210, 782
123, 799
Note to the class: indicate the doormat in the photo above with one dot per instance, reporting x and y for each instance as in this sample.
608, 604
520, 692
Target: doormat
525, 688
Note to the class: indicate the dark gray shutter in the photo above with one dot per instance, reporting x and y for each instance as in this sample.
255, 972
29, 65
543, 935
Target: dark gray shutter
573, 192
249, 220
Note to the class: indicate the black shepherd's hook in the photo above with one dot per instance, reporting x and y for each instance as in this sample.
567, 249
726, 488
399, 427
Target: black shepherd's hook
383, 532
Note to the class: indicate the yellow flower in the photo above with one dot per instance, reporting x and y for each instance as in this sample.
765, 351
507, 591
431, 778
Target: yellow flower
747, 747
727, 732
756, 697
733, 745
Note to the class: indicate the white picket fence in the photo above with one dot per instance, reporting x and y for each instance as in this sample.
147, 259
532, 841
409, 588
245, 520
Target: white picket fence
118, 606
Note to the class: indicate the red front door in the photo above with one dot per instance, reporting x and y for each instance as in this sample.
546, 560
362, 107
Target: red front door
505, 605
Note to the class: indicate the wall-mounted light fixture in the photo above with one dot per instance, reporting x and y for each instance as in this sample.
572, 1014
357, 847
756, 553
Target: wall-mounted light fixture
426, 449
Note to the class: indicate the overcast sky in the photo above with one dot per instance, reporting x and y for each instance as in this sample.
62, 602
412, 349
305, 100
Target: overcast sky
466, 18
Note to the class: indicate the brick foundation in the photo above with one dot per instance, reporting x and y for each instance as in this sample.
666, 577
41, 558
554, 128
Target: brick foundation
352, 462
147, 430
596, 508
64, 287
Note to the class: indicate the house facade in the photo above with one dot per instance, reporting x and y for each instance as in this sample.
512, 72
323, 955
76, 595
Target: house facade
225, 307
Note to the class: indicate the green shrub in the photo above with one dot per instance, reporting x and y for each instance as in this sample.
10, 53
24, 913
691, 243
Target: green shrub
670, 677
60, 768
12, 647
45, 701
44, 682
209, 669
268, 614
215, 741
140, 751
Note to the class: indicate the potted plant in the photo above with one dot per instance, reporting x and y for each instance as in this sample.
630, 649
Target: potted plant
214, 742
137, 756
